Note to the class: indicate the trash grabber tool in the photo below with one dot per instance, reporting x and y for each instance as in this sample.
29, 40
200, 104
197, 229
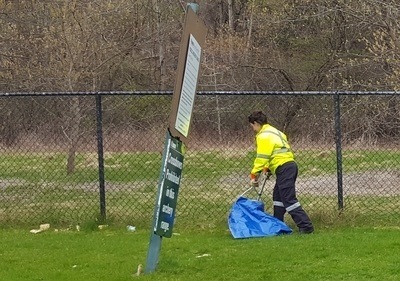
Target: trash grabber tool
263, 185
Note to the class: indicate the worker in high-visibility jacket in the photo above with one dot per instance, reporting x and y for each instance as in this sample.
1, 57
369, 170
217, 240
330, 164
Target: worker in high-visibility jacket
275, 156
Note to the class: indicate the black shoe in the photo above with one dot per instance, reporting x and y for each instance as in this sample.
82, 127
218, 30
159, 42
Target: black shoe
306, 230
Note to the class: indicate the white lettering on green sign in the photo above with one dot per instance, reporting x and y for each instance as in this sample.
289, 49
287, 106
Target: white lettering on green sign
174, 161
170, 193
172, 176
164, 226
167, 209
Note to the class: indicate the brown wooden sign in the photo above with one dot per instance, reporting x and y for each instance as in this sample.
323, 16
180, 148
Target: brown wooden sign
187, 76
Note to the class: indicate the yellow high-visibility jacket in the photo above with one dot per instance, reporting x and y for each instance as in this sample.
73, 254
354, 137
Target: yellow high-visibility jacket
273, 150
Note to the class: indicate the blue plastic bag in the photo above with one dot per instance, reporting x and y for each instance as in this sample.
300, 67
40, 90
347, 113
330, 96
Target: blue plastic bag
248, 219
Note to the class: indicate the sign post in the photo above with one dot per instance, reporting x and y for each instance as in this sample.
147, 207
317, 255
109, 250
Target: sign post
167, 197
193, 38
168, 187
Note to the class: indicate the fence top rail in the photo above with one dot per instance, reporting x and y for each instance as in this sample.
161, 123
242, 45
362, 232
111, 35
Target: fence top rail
204, 93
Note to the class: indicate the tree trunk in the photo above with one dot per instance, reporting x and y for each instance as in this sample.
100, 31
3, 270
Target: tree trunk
231, 19
250, 28
74, 135
161, 44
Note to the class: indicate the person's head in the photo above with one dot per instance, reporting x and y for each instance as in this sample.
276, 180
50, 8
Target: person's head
257, 119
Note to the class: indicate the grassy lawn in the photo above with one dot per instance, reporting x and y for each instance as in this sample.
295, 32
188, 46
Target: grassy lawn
360, 243
36, 189
128, 167
343, 253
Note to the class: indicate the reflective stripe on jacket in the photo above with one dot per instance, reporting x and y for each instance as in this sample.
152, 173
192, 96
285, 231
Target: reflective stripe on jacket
273, 149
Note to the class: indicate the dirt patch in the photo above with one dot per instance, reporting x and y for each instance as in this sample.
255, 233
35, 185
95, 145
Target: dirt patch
377, 183
4, 183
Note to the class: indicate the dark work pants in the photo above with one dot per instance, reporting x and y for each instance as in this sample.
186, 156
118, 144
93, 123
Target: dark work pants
284, 196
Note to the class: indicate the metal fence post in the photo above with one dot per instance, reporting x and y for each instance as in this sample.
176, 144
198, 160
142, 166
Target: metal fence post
100, 153
338, 141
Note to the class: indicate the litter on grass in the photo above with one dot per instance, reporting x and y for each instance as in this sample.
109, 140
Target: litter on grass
42, 227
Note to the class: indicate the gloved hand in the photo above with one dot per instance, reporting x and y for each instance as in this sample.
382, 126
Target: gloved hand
254, 180
266, 171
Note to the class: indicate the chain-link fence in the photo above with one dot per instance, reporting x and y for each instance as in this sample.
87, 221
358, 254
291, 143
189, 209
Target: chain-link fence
71, 158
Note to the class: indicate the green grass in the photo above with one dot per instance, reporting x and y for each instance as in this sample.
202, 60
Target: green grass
360, 243
39, 167
113, 254
204, 250
119, 167
316, 162
128, 167
35, 188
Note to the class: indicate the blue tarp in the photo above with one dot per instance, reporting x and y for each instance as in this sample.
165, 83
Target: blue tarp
248, 219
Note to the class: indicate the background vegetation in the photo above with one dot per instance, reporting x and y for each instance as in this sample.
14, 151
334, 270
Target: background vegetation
300, 45
251, 44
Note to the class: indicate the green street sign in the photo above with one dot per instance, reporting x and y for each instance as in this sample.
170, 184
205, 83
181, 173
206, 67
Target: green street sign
169, 188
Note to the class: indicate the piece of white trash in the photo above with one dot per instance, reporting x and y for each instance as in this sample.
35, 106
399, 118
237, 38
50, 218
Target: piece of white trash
42, 227
203, 255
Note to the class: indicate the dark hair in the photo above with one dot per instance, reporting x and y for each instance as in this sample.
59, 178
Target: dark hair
259, 117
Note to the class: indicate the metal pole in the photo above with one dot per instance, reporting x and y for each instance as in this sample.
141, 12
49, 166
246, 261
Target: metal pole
100, 154
156, 240
338, 141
